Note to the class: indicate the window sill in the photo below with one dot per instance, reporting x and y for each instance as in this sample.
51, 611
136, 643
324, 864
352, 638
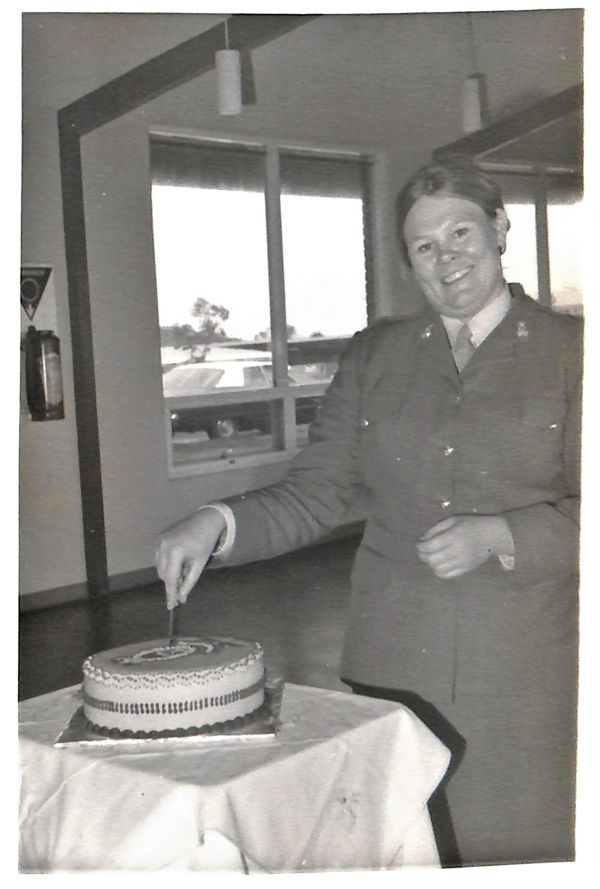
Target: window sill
229, 464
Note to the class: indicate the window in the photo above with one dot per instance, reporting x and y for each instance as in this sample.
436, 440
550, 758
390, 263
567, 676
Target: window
262, 276
544, 239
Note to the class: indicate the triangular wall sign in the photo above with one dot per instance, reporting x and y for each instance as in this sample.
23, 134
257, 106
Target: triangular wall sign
33, 284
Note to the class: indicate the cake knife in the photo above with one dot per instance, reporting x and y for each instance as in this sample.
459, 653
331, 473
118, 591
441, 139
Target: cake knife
173, 625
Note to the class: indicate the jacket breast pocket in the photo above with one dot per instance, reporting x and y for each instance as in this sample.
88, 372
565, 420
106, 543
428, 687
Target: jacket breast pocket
543, 414
543, 418
541, 428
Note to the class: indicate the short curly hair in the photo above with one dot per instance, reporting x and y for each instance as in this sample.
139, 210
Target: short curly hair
455, 176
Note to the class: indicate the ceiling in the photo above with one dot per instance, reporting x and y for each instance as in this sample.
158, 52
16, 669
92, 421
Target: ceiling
548, 134
557, 144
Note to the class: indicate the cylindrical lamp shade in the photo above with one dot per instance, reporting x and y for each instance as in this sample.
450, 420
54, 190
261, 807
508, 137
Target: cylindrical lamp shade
229, 81
472, 101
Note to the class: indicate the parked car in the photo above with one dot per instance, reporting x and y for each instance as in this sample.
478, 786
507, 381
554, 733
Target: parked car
225, 420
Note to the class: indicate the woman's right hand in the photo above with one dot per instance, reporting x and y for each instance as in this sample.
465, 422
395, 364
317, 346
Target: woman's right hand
184, 549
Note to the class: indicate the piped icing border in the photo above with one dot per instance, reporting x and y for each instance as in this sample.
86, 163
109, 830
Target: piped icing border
166, 679
145, 707
212, 728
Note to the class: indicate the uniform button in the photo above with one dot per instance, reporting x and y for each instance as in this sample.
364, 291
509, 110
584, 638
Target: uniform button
448, 450
445, 504
458, 399
364, 421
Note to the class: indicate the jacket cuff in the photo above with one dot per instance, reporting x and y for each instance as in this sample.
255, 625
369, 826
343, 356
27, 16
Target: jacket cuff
227, 538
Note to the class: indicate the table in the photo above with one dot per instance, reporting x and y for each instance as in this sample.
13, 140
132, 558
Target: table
343, 785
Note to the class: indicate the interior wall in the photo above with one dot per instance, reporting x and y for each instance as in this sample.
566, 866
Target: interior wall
65, 56
386, 83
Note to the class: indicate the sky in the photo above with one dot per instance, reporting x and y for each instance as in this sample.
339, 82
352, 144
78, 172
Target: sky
212, 243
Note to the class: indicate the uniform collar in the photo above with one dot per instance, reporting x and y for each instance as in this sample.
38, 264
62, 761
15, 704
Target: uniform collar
484, 322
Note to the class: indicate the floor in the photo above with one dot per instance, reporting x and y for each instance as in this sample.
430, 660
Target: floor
293, 605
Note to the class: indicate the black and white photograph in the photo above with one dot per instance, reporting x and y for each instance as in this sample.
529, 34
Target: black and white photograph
303, 372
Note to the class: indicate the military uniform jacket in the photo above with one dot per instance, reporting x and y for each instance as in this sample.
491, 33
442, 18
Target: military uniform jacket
413, 442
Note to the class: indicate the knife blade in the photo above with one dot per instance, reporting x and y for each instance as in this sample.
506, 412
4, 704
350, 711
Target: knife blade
173, 631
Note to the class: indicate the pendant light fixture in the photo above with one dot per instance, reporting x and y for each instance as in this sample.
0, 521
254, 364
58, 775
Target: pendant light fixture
229, 78
473, 94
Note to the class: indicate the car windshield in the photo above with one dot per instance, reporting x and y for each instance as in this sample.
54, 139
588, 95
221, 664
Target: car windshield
189, 379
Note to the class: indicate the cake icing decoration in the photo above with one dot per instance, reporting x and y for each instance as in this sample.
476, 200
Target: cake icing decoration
160, 687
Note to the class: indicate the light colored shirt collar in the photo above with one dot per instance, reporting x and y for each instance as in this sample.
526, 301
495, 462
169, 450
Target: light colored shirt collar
483, 322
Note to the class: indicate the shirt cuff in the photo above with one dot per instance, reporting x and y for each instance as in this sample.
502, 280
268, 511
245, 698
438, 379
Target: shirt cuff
227, 538
507, 562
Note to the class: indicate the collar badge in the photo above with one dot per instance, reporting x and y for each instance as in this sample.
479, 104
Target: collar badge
427, 332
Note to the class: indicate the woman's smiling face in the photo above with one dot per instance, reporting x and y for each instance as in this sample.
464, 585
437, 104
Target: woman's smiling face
454, 249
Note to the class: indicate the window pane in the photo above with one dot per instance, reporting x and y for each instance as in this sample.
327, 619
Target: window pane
324, 262
520, 259
217, 431
323, 246
565, 226
565, 229
211, 268
212, 284
213, 296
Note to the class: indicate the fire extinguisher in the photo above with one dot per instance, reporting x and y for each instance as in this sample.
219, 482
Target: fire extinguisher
43, 375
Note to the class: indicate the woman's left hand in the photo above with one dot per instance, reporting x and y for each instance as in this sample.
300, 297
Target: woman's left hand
462, 543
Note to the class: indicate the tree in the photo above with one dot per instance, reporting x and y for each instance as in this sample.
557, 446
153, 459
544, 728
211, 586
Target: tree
209, 329
178, 336
210, 321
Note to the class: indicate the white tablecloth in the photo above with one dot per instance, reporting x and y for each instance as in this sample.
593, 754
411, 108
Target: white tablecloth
343, 785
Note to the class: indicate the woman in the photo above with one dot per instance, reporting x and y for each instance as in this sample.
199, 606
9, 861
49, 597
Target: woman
461, 443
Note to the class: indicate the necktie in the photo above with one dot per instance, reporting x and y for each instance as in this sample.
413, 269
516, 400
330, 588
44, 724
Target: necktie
463, 348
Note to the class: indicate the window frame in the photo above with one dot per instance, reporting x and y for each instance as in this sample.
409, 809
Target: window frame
541, 178
283, 391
